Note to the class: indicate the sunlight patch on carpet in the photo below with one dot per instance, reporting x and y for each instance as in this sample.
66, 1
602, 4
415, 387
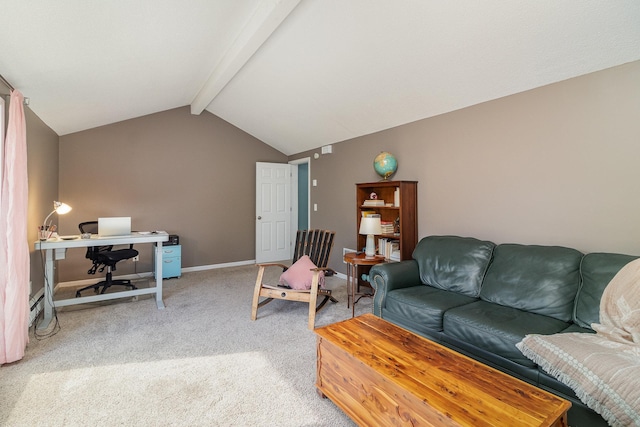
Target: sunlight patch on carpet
220, 389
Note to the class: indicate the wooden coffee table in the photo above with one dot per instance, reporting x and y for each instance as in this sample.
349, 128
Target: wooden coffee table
380, 374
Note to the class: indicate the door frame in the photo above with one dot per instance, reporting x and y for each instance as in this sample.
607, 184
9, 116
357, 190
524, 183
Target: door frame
294, 196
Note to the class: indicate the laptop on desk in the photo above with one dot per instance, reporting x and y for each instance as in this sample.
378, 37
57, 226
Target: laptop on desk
114, 226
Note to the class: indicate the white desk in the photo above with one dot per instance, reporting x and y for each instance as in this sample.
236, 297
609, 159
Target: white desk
56, 249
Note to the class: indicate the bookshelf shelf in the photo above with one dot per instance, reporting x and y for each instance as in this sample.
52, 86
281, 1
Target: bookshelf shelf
394, 208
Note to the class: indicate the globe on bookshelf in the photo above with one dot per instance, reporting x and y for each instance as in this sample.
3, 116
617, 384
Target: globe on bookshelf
385, 164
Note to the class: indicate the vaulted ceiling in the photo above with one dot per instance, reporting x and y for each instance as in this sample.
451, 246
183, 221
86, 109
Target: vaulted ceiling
299, 74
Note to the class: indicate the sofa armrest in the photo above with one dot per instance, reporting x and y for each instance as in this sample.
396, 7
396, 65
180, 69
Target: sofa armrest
393, 275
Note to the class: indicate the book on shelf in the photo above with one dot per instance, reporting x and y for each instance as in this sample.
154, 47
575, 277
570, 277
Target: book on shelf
389, 248
373, 202
387, 227
372, 214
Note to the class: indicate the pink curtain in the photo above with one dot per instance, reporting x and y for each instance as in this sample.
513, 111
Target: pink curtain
14, 245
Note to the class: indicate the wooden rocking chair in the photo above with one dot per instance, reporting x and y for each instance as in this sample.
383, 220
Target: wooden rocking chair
316, 244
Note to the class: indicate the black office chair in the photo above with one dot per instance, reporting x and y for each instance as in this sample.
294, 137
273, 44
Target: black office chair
104, 257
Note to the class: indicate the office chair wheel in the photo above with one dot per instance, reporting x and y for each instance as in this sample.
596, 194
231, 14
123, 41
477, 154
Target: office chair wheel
96, 291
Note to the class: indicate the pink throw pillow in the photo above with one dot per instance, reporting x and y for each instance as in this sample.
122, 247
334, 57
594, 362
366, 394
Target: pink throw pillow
299, 275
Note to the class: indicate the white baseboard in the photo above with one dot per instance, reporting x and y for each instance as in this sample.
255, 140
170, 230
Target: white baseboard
214, 266
35, 303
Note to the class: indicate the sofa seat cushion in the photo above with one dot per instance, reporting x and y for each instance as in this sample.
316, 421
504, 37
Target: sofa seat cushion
497, 328
453, 263
539, 279
424, 305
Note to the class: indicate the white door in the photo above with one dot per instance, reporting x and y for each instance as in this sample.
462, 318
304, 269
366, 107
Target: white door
273, 212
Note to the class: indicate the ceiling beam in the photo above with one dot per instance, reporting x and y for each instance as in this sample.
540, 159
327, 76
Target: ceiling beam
267, 17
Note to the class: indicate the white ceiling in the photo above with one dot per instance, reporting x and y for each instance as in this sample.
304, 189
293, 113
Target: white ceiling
299, 74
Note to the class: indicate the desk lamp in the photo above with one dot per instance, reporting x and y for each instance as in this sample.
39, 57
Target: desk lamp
370, 226
59, 208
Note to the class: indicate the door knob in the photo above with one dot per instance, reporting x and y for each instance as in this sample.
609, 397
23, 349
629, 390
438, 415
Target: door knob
259, 217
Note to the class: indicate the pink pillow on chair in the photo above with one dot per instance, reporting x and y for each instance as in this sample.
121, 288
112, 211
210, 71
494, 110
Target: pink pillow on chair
299, 275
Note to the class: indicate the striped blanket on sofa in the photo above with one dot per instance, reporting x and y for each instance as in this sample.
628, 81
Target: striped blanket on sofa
602, 368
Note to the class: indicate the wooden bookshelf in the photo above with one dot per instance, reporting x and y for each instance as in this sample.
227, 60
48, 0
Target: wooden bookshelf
404, 214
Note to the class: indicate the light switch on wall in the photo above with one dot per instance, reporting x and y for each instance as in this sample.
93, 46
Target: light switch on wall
315, 207
315, 182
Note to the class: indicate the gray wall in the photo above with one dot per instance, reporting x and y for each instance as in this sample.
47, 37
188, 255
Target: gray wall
188, 175
556, 165
42, 166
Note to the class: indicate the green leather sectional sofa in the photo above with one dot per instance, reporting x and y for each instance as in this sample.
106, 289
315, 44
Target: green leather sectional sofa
480, 299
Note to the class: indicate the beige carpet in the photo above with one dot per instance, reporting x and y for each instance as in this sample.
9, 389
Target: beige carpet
199, 362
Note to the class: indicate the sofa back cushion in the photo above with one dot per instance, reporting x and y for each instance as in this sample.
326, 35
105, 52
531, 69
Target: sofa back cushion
539, 279
453, 263
596, 271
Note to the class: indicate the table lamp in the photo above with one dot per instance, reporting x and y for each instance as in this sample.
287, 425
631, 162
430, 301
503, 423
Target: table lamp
370, 226
59, 208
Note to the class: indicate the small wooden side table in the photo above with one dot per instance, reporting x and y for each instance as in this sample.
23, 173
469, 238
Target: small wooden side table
354, 260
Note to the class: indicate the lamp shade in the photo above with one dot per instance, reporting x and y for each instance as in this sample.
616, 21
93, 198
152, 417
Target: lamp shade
59, 208
370, 225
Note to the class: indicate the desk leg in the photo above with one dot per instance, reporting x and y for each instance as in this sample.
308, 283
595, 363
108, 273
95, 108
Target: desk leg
49, 285
159, 301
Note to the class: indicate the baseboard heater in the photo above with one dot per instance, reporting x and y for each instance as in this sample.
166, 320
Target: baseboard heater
35, 304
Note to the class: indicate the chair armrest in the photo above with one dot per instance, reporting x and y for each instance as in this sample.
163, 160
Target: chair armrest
272, 264
389, 276
318, 270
